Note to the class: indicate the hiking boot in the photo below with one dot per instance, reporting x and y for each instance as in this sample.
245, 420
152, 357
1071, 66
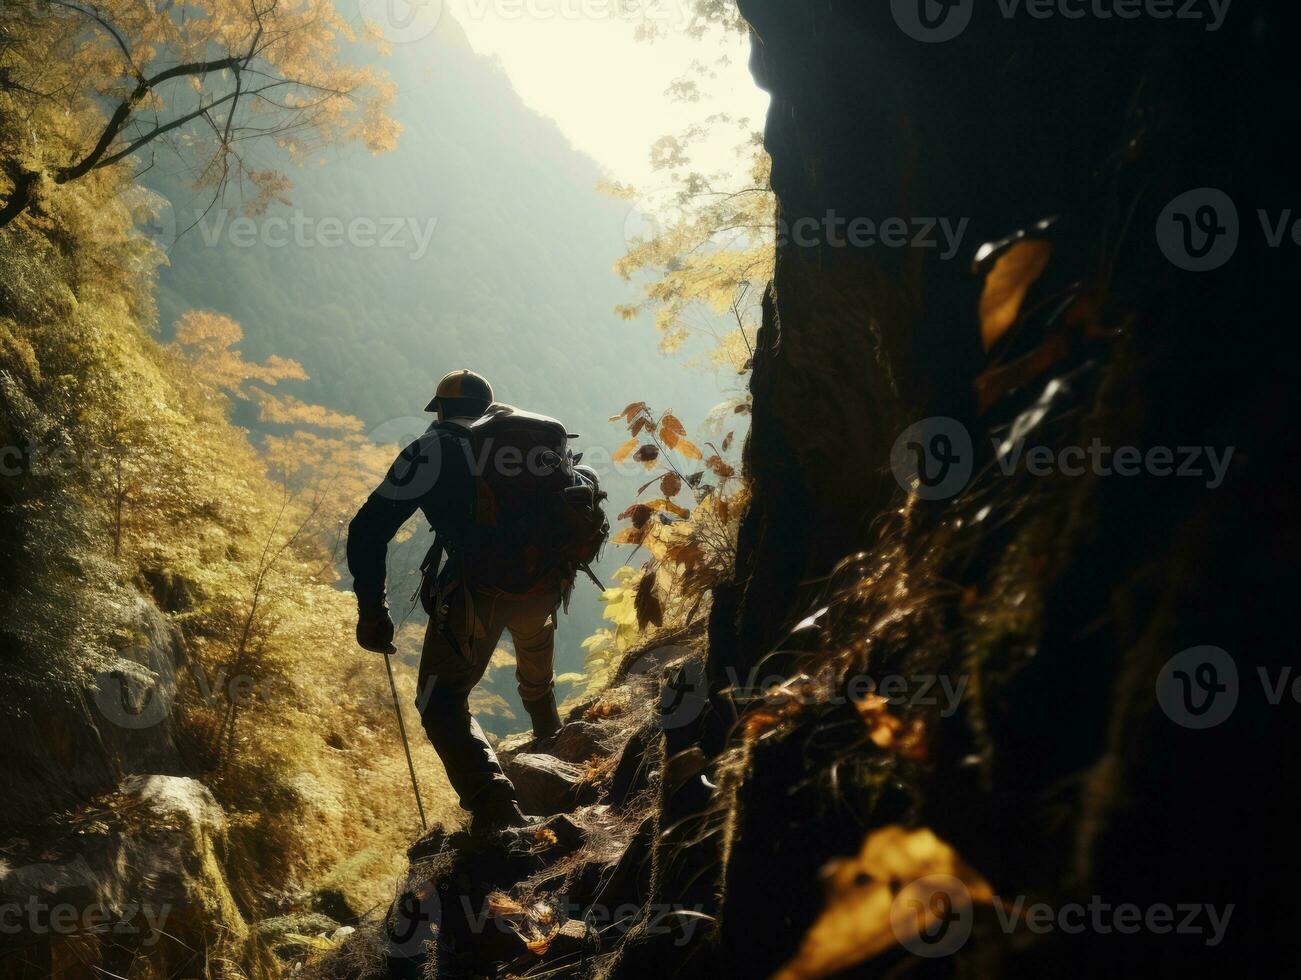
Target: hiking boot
546, 717
497, 813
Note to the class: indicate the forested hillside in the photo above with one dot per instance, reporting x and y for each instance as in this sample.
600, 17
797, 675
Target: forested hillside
501, 259
193, 730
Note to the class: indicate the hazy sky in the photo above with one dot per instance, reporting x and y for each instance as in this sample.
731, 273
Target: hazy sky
579, 62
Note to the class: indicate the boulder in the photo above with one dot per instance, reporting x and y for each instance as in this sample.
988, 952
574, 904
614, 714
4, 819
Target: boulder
513, 744
576, 742
544, 784
141, 872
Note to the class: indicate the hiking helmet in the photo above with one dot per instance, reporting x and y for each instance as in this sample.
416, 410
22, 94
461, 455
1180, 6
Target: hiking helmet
463, 385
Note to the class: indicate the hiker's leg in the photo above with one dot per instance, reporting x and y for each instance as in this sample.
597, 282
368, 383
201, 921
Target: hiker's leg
448, 673
532, 627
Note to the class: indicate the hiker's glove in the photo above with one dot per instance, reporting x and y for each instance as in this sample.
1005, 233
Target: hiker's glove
375, 629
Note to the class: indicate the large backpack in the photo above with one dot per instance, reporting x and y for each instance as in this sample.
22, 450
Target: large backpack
537, 518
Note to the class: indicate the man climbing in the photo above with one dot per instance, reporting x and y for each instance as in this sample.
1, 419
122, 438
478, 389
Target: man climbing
517, 519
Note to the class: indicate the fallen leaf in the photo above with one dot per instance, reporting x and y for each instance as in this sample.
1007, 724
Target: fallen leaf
1006, 286
879, 898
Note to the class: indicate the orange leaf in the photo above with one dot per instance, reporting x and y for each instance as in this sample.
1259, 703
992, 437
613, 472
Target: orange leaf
688, 449
629, 413
719, 466
640, 514
1006, 286
670, 485
670, 506
629, 535
625, 450
685, 554
671, 424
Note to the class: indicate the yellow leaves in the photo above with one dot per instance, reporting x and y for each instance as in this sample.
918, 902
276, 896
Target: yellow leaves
888, 731
629, 535
205, 339
670, 506
620, 600
899, 888
1007, 284
688, 449
624, 451
287, 410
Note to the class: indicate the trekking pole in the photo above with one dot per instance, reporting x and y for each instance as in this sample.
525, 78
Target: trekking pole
397, 707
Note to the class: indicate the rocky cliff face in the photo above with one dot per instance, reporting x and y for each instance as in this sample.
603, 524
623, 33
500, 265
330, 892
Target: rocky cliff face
1064, 601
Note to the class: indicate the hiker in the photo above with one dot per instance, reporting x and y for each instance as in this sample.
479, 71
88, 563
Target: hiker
517, 519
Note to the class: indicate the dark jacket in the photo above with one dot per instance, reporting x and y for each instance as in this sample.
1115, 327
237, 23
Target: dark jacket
431, 475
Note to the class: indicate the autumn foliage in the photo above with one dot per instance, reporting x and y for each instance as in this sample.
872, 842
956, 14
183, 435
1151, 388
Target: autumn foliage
686, 526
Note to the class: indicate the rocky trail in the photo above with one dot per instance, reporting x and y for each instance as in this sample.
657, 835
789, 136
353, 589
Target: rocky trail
567, 891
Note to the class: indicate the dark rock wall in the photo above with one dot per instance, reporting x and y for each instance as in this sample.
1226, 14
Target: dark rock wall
1060, 777
1010, 123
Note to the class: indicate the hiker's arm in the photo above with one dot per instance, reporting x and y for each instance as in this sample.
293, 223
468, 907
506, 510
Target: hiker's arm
410, 480
368, 536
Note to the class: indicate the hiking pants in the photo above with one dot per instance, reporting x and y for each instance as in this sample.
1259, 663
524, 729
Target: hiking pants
449, 671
